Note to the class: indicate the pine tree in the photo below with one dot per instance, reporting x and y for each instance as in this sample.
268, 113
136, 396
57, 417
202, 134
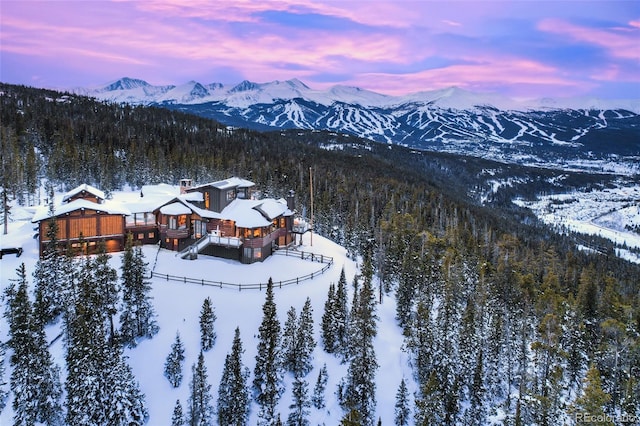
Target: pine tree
3, 391
359, 385
138, 316
35, 379
329, 338
341, 315
207, 319
233, 394
106, 279
593, 400
200, 408
402, 409
123, 402
289, 340
49, 276
318, 391
300, 407
101, 388
304, 342
177, 419
268, 372
174, 361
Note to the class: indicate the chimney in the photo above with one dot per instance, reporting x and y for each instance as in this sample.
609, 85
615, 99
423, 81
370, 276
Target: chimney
185, 184
291, 200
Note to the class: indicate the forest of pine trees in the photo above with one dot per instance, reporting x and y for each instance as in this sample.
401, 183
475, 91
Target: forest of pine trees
497, 316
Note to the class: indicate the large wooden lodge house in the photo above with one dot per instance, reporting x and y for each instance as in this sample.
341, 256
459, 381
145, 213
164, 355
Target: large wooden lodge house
220, 218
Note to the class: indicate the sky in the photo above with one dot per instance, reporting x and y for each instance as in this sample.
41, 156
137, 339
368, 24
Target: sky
518, 48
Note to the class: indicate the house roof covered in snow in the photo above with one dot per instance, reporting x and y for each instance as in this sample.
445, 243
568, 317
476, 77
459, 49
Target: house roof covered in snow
110, 208
84, 187
232, 182
245, 213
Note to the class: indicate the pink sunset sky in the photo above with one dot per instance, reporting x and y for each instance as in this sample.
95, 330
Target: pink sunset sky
517, 48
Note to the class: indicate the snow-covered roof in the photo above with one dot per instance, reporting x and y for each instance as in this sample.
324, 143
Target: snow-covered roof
84, 187
232, 182
161, 189
175, 209
271, 208
242, 212
110, 208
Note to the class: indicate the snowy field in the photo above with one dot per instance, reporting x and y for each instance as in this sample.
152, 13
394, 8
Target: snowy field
178, 307
606, 213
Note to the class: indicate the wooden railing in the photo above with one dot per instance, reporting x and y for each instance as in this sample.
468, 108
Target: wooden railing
327, 261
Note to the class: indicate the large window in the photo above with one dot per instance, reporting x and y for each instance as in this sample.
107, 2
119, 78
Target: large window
182, 221
207, 201
231, 195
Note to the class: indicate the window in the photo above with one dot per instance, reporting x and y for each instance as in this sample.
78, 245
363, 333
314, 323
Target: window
141, 236
207, 201
182, 221
231, 195
172, 222
257, 253
257, 233
151, 235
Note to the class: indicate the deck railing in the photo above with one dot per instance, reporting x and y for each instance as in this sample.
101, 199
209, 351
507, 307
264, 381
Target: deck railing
327, 261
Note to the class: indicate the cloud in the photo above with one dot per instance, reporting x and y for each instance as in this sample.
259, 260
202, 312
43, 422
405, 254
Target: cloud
620, 42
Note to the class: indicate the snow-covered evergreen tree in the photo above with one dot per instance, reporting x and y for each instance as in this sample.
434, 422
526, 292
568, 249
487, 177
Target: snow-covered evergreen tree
101, 388
106, 279
138, 316
341, 315
35, 379
207, 319
177, 419
304, 341
358, 387
299, 415
289, 340
329, 338
49, 277
174, 361
200, 411
3, 385
124, 403
318, 391
268, 372
402, 413
233, 393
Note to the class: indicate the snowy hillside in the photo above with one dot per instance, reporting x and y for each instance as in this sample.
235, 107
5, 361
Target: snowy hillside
178, 307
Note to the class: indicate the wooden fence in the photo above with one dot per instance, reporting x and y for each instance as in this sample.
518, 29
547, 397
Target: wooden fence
327, 261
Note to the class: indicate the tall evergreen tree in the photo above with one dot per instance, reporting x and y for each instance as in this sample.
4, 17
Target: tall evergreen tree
106, 279
300, 406
3, 391
329, 338
358, 388
200, 406
174, 361
289, 354
318, 391
593, 400
402, 409
137, 319
341, 315
304, 341
101, 388
177, 419
49, 275
35, 379
233, 394
207, 319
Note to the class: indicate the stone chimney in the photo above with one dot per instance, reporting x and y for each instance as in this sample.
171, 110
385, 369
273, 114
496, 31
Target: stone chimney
184, 185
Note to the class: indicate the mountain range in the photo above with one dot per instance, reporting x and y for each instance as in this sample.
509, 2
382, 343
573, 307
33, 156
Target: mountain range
579, 132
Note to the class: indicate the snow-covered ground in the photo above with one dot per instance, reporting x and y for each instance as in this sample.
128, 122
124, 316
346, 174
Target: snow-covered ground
178, 307
610, 213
